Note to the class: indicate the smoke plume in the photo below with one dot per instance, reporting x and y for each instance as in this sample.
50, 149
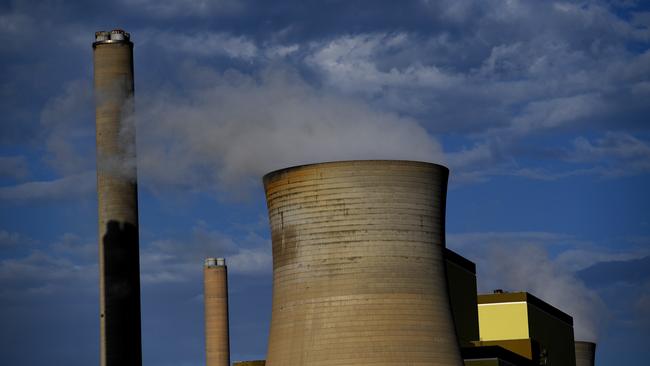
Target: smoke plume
233, 128
521, 262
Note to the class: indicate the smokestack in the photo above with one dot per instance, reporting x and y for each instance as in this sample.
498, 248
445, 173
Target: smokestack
217, 343
119, 264
358, 267
585, 353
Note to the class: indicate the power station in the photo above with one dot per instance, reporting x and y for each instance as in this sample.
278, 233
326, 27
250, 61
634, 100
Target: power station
361, 272
117, 196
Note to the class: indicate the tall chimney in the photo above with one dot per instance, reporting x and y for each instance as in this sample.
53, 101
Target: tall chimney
215, 288
119, 264
358, 268
585, 353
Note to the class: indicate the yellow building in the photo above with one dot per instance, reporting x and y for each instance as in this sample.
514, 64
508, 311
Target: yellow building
528, 326
461, 279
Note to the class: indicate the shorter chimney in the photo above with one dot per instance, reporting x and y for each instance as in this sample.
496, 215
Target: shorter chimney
217, 344
585, 353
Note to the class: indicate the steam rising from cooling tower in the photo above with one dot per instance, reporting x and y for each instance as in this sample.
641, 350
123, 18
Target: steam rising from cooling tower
119, 265
358, 268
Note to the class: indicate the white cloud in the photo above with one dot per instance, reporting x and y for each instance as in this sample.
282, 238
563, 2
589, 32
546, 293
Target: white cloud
274, 51
10, 239
68, 187
517, 70
67, 125
349, 63
614, 154
183, 8
581, 258
597, 17
76, 248
551, 113
14, 24
173, 261
612, 145
206, 44
466, 241
520, 261
529, 268
64, 265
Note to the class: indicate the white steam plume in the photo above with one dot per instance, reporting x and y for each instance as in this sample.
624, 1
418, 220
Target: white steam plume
232, 128
521, 263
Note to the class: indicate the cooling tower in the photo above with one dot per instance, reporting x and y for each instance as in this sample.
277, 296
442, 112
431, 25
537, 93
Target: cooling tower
119, 267
217, 344
358, 267
585, 353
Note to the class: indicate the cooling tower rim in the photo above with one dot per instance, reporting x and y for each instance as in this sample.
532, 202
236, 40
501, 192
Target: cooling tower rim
270, 175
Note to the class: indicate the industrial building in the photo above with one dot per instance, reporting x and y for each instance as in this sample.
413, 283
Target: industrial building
528, 326
361, 272
362, 276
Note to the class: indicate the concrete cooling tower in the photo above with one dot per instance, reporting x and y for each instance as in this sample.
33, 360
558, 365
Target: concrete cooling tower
217, 344
119, 264
585, 353
358, 267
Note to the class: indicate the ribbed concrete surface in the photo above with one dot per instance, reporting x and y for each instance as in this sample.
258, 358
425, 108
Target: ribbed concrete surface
217, 345
585, 353
117, 206
358, 269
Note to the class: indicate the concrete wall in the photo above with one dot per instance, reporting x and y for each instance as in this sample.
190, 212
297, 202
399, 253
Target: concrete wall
358, 268
461, 277
554, 336
523, 347
217, 343
117, 205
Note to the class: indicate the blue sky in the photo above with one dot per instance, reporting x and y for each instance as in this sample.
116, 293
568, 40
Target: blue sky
540, 110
